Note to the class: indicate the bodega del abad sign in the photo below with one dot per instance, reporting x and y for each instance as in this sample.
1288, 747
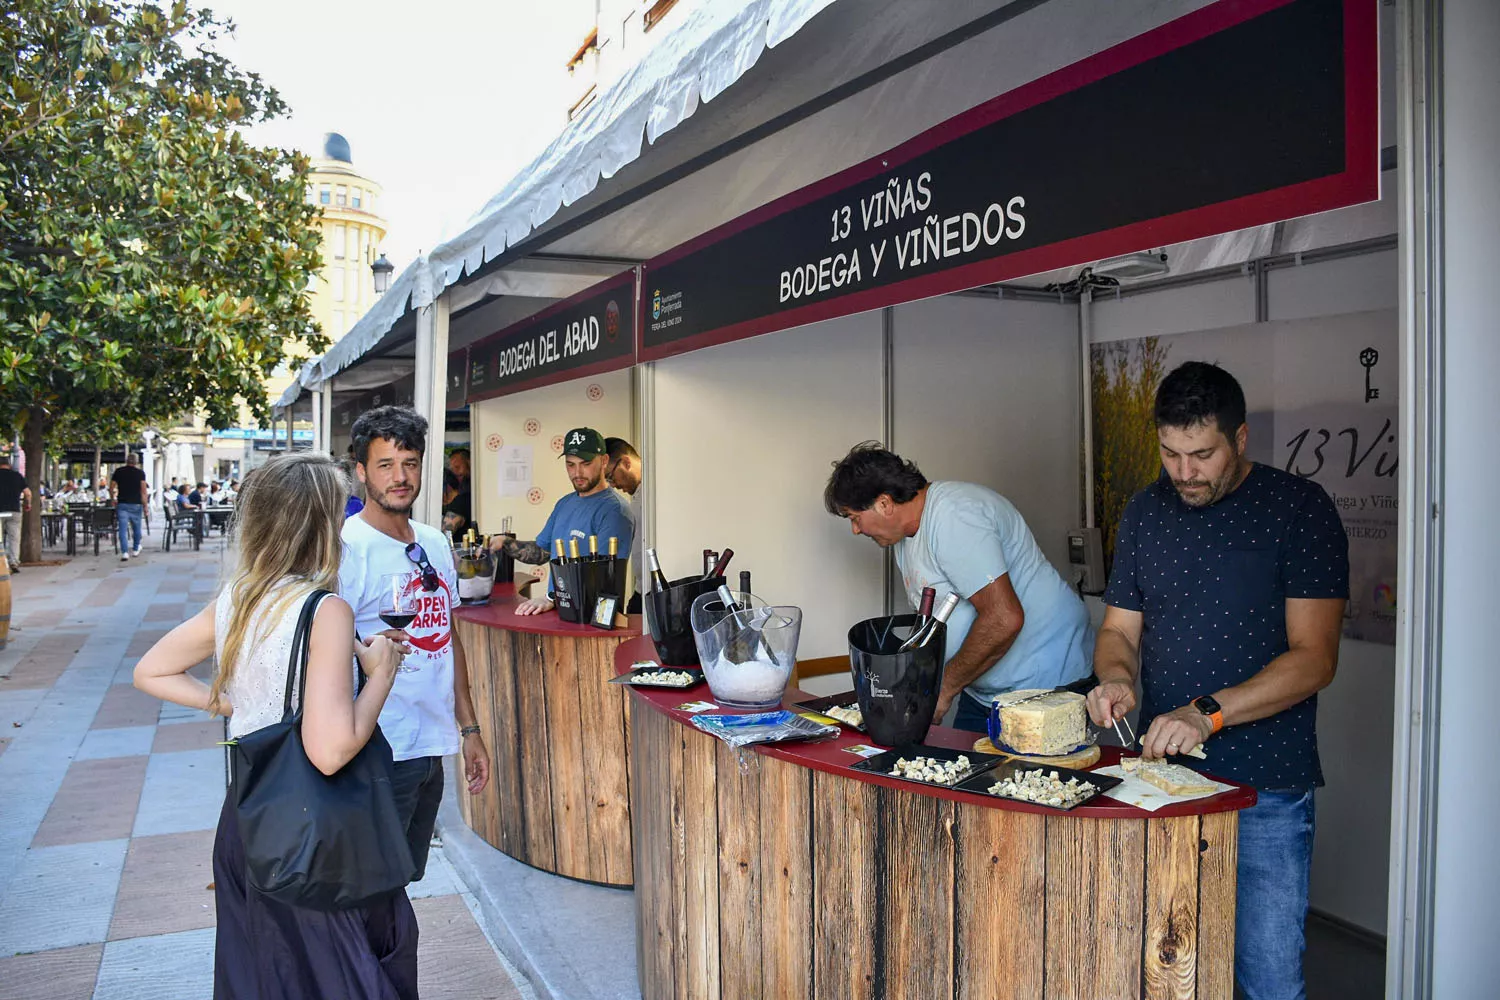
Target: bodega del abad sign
588, 334
1238, 114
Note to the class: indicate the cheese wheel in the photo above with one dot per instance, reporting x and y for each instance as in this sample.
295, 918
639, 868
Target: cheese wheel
1052, 722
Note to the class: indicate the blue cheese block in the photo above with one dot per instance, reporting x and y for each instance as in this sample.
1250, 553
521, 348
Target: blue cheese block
1042, 723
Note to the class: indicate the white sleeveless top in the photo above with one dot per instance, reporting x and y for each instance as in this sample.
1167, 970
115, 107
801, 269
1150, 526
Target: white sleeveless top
259, 685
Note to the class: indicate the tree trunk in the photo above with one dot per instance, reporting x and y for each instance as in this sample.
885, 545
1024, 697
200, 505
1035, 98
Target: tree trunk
36, 456
98, 470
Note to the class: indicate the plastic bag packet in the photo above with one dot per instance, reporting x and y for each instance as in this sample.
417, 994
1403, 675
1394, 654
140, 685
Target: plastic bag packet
762, 727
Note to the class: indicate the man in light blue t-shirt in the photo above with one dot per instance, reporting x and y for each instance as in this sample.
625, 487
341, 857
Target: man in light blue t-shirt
593, 508
1018, 625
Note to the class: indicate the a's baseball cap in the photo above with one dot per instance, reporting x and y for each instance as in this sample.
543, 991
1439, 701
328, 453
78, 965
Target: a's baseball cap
584, 442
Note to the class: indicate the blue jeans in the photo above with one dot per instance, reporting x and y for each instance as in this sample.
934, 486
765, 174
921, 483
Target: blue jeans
972, 714
128, 515
1276, 842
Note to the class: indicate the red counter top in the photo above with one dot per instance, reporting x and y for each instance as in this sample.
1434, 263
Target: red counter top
500, 613
831, 757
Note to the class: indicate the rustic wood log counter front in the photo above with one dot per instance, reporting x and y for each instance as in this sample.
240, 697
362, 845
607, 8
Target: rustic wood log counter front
782, 873
558, 733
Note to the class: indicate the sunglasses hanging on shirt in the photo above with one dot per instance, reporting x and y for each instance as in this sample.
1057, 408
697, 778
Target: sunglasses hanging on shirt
418, 555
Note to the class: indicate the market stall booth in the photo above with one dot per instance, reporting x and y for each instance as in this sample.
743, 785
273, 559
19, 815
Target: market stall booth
899, 300
557, 730
891, 301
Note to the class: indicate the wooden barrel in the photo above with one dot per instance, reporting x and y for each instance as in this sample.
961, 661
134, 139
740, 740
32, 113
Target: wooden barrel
4, 601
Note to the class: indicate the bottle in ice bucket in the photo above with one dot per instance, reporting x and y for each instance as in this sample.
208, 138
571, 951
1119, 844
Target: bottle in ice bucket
476, 572
747, 650
924, 633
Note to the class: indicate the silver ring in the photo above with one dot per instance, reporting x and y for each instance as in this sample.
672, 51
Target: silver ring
1173, 746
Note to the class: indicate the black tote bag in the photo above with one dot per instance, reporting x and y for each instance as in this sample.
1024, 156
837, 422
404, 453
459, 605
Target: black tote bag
325, 842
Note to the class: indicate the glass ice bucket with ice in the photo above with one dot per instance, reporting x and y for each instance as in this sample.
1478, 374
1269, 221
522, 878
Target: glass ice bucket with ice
747, 656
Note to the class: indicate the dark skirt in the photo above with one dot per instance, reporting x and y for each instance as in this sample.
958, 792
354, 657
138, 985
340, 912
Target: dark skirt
267, 950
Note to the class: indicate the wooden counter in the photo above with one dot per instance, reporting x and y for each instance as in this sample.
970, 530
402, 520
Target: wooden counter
558, 735
783, 873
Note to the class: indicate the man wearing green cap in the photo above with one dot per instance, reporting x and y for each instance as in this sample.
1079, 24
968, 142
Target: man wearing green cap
592, 509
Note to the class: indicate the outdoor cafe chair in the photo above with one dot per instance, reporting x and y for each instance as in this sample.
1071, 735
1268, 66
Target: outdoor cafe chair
178, 520
103, 523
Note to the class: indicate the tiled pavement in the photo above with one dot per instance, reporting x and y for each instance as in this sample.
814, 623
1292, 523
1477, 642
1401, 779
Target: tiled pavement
108, 802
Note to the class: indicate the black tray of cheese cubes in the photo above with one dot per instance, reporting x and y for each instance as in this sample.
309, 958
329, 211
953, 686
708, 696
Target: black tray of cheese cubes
884, 763
633, 677
822, 705
981, 783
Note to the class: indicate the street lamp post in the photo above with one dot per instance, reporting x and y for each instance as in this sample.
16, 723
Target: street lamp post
382, 269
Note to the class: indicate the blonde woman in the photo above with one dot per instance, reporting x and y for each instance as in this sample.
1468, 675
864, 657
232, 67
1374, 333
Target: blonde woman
287, 525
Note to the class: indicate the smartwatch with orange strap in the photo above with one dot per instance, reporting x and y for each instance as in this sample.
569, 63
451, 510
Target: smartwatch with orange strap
1209, 707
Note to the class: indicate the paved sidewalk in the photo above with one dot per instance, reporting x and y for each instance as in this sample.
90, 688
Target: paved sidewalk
108, 802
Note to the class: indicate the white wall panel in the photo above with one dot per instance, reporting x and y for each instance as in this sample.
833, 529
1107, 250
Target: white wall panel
986, 391
745, 437
1174, 310
1343, 285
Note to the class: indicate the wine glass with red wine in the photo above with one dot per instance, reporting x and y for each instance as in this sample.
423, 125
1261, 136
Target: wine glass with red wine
398, 605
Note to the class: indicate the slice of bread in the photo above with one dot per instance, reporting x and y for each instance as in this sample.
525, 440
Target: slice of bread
1174, 779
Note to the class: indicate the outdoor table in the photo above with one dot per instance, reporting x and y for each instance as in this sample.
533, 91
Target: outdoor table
559, 792
205, 515
780, 872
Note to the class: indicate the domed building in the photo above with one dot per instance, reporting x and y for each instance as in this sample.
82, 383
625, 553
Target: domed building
352, 231
338, 296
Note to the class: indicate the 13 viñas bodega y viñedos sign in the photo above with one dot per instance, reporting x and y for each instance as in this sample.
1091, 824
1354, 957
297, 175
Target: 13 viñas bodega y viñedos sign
1242, 113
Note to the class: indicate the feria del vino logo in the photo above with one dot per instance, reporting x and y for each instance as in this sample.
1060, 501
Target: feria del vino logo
656, 305
612, 320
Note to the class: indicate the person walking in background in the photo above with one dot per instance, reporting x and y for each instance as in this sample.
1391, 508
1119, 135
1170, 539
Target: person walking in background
15, 498
430, 713
128, 487
288, 536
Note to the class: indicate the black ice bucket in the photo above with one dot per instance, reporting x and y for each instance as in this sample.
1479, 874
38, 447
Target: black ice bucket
897, 692
577, 584
505, 566
668, 619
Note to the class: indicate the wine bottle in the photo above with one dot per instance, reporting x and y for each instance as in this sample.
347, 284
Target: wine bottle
929, 594
614, 547
720, 564
593, 546
562, 555
658, 578
923, 635
744, 581
730, 604
709, 556
572, 550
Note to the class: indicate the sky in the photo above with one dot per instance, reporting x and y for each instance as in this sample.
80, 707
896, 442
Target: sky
442, 101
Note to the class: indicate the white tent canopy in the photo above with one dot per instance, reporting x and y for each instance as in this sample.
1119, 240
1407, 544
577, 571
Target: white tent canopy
801, 89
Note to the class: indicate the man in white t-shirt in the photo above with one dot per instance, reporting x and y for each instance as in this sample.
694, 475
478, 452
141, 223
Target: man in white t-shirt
385, 551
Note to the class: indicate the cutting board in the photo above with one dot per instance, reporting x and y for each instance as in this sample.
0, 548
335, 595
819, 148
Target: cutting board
1078, 759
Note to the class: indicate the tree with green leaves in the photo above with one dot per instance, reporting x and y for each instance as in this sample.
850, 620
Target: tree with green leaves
152, 261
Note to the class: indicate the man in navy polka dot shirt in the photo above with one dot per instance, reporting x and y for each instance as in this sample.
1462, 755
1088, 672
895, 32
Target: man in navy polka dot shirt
1226, 600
